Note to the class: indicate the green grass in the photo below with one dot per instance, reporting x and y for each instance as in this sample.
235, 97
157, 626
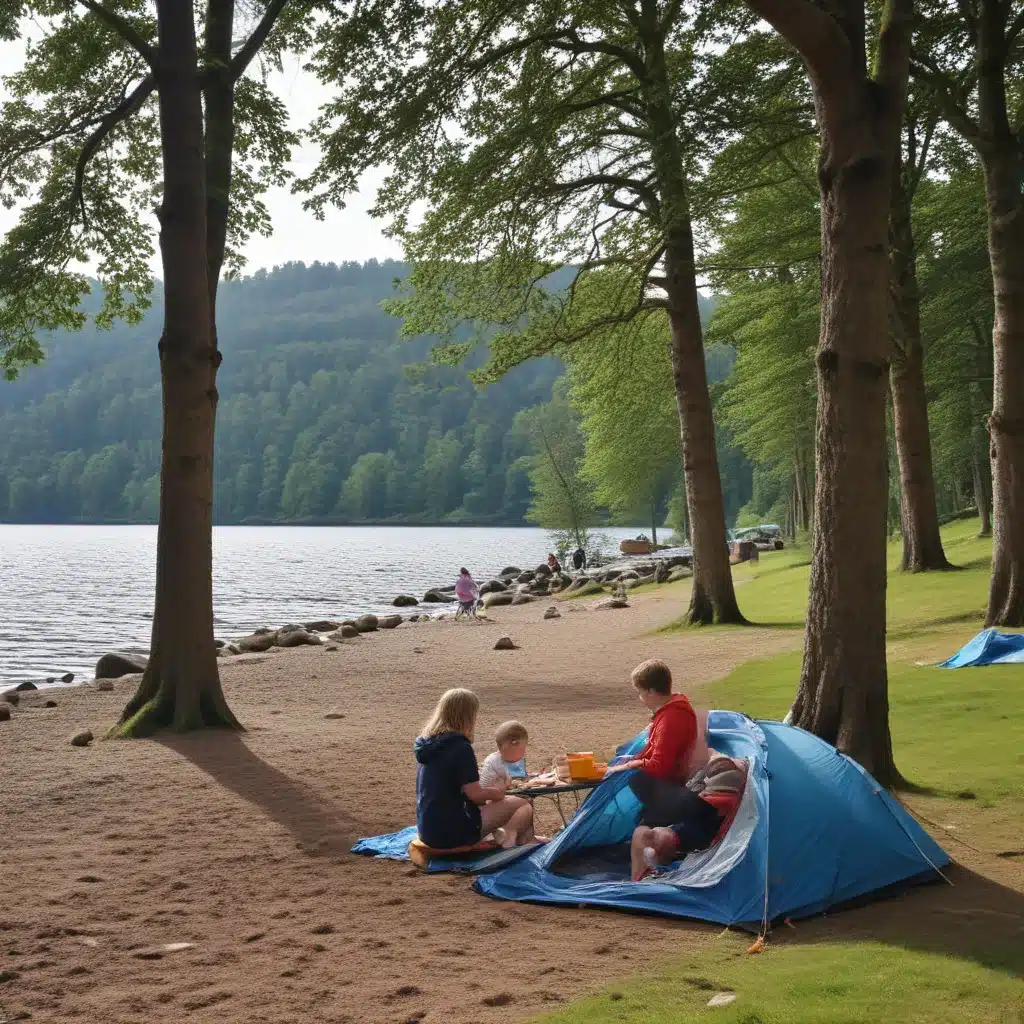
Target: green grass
958, 735
833, 983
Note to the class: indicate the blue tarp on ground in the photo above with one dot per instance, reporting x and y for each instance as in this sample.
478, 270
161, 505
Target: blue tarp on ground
395, 846
814, 830
989, 647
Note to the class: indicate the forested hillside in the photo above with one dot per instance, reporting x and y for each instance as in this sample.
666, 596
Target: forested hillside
322, 416
318, 419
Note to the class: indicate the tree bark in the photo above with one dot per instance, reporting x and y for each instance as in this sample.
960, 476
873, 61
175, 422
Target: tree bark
1006, 424
919, 514
843, 694
181, 686
712, 597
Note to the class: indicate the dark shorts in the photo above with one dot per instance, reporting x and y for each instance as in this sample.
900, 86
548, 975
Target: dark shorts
671, 805
697, 833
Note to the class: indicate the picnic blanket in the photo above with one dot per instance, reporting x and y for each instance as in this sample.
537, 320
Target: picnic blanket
989, 647
395, 846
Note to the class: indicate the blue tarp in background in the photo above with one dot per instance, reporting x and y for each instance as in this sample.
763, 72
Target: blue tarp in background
989, 647
825, 833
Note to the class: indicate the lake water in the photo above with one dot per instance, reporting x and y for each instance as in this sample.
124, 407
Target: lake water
69, 593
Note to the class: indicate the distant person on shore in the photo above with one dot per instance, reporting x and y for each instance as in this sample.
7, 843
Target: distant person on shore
553, 564
579, 559
466, 593
452, 808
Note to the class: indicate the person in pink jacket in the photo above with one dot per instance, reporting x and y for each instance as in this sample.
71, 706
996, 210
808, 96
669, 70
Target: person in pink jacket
467, 592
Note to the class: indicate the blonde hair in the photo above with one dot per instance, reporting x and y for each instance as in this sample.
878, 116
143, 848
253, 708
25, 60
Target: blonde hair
455, 712
510, 732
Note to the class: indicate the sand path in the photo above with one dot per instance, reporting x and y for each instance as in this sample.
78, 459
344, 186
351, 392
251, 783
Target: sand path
238, 845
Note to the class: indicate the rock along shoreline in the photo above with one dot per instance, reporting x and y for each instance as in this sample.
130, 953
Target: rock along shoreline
512, 586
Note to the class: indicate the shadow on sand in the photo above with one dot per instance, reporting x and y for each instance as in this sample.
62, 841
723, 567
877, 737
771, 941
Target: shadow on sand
318, 827
974, 919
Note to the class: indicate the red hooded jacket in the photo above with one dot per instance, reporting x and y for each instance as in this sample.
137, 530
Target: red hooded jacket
670, 741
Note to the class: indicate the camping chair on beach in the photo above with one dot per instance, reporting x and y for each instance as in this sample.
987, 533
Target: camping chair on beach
467, 608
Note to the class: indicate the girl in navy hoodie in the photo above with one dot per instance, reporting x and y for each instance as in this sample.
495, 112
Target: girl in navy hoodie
452, 808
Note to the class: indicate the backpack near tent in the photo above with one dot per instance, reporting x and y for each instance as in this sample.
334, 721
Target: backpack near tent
813, 830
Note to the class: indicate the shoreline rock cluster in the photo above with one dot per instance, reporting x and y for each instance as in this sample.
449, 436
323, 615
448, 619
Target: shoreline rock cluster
512, 586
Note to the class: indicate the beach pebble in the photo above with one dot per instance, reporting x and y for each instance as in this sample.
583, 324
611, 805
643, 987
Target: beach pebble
498, 598
68, 677
5, 713
82, 739
436, 597
522, 599
25, 687
49, 704
504, 643
333, 715
404, 601
115, 664
331, 647
552, 613
612, 602
322, 626
12, 697
104, 685
367, 623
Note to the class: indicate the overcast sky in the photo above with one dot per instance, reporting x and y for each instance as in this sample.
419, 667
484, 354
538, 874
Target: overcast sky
349, 234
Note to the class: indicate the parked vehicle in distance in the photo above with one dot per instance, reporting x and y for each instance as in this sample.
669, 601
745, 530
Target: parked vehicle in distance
767, 536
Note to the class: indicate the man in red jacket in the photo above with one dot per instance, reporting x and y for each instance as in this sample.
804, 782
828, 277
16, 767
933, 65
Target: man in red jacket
667, 759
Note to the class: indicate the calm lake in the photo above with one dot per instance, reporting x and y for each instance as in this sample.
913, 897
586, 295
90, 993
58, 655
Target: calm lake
69, 593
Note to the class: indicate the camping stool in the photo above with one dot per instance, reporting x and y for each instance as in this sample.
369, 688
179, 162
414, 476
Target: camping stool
421, 854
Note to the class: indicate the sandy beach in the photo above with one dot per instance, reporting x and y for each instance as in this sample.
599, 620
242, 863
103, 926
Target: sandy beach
239, 845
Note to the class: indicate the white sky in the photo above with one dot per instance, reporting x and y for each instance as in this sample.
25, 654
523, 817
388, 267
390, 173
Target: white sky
348, 234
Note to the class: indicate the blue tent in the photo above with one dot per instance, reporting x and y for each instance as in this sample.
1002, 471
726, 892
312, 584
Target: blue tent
989, 647
813, 830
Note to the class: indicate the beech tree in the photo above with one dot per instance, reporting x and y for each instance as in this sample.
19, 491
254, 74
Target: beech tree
117, 113
624, 392
843, 694
968, 54
919, 517
548, 142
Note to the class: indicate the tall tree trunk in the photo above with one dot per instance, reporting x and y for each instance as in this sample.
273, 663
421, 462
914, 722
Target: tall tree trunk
979, 474
181, 686
654, 523
1006, 424
712, 597
919, 514
843, 694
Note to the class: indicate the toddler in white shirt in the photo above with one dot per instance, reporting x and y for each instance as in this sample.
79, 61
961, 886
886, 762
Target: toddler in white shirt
509, 760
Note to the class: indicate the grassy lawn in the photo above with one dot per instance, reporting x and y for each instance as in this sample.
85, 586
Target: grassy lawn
942, 954
833, 983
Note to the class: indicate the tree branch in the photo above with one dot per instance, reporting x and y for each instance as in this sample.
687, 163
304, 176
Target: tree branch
251, 46
940, 86
614, 181
1014, 29
123, 28
128, 106
817, 36
894, 45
